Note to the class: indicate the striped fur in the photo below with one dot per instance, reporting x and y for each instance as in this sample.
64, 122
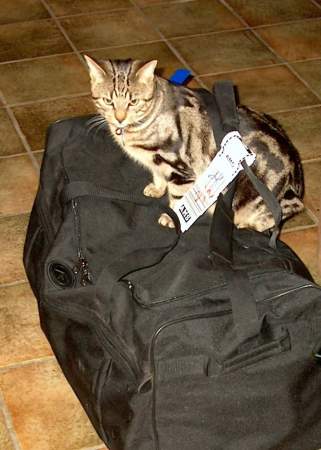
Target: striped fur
166, 129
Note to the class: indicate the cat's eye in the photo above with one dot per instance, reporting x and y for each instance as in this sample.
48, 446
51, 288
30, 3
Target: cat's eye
108, 101
134, 101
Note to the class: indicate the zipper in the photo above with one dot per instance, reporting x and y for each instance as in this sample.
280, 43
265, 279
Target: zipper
45, 223
81, 269
222, 312
199, 293
183, 319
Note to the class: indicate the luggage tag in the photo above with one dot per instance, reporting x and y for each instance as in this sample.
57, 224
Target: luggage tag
219, 174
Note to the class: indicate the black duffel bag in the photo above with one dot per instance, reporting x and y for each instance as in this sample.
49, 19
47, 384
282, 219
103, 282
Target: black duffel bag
204, 340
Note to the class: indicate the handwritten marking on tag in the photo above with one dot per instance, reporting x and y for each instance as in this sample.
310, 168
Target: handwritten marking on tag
219, 174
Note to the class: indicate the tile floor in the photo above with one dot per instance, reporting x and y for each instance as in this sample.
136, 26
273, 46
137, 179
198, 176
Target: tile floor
270, 49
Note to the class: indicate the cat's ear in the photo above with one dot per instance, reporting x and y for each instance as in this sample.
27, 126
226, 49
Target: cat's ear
96, 72
146, 73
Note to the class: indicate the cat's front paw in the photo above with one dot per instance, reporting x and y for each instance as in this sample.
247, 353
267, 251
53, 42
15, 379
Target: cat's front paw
166, 221
154, 191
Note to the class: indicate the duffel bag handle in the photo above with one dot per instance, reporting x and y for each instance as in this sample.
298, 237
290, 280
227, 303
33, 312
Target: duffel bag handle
245, 314
222, 226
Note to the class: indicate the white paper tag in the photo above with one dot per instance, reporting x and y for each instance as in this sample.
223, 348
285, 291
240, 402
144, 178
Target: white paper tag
219, 174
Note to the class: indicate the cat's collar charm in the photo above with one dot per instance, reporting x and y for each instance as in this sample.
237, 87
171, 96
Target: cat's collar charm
120, 132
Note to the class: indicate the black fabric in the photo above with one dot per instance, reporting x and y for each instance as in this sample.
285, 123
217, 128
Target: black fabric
224, 107
149, 328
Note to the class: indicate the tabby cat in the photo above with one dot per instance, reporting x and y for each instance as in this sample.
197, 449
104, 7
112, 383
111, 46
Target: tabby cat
165, 128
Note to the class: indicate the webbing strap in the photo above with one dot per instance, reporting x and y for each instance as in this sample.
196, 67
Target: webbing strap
244, 310
222, 226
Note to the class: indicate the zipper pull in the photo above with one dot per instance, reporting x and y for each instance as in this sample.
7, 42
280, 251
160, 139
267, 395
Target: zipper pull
82, 268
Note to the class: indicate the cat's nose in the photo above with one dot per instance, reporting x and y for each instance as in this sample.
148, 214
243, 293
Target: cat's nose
120, 115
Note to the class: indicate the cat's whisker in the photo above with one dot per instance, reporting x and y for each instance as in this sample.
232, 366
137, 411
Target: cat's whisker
96, 124
102, 126
94, 119
98, 120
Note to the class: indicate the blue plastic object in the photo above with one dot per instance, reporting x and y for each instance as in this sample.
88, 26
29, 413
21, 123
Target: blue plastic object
180, 76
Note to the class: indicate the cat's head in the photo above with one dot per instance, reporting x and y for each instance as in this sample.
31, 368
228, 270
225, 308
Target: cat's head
122, 90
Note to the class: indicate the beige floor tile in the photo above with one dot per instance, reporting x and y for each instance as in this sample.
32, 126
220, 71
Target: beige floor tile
46, 414
35, 118
186, 18
18, 185
310, 72
106, 30
295, 41
312, 176
21, 10
268, 89
10, 143
5, 439
167, 61
31, 39
66, 7
221, 52
307, 136
308, 251
21, 338
272, 11
12, 237
37, 79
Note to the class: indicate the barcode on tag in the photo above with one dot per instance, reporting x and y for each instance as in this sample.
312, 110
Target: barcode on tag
218, 175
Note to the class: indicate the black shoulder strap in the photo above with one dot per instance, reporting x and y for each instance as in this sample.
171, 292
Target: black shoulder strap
223, 107
245, 316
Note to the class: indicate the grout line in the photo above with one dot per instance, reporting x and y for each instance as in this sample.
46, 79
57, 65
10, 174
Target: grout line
298, 108
313, 217
280, 58
208, 33
20, 154
312, 160
14, 155
131, 44
14, 61
9, 424
21, 213
316, 4
298, 228
96, 447
45, 100
169, 44
39, 150
91, 13
26, 363
287, 22
20, 133
64, 32
242, 69
247, 27
13, 284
